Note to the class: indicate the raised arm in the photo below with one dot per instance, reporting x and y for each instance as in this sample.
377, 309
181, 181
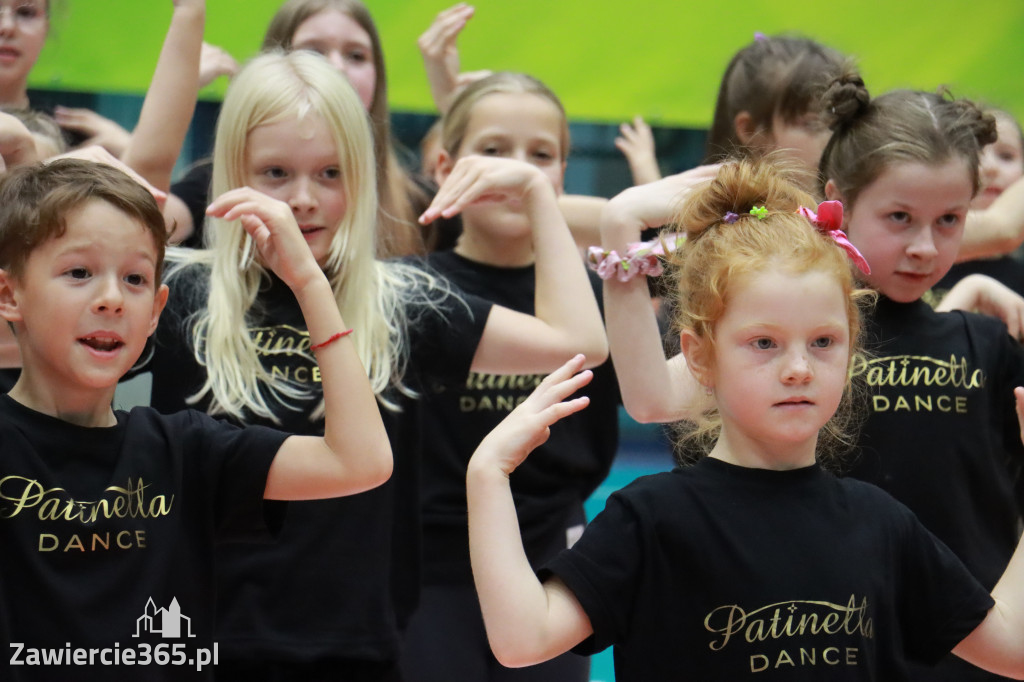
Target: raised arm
654, 389
527, 622
996, 230
997, 644
354, 453
171, 99
566, 318
441, 55
636, 142
983, 294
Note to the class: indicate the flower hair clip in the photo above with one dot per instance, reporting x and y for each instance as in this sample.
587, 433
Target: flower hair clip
759, 212
829, 221
641, 259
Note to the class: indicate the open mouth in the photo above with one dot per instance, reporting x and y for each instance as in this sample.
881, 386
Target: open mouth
104, 344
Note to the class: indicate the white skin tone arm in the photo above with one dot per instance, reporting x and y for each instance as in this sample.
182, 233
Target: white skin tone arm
566, 320
636, 142
527, 621
171, 98
354, 453
996, 230
654, 389
997, 644
989, 296
441, 55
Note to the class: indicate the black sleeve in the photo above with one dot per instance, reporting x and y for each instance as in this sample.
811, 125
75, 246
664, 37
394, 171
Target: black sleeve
603, 570
194, 190
941, 601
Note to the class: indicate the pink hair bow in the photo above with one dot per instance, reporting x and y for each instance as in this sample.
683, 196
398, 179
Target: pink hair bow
829, 221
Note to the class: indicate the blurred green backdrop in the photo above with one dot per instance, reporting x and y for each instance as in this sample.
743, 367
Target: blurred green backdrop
607, 60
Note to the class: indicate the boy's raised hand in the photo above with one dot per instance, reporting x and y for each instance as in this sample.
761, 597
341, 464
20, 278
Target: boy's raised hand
272, 228
479, 179
529, 425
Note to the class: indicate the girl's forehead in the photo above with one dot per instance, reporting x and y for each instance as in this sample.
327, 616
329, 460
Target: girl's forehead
516, 107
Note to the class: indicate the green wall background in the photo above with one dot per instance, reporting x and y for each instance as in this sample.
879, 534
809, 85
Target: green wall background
608, 61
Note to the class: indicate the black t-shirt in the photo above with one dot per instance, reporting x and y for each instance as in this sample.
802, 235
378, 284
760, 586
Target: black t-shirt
355, 560
731, 573
550, 487
941, 426
103, 529
1005, 269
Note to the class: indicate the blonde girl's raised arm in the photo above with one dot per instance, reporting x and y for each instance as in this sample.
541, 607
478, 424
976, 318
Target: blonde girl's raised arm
354, 453
653, 388
171, 98
527, 621
566, 318
996, 230
997, 644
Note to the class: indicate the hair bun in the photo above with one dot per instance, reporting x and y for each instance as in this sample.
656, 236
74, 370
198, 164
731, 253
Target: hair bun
845, 100
774, 182
981, 124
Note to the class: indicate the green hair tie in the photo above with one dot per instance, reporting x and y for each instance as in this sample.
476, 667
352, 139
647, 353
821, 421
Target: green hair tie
759, 211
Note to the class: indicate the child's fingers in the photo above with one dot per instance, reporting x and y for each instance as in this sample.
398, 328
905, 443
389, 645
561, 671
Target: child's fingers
565, 380
451, 197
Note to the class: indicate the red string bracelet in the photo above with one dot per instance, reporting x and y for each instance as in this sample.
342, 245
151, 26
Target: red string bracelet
331, 340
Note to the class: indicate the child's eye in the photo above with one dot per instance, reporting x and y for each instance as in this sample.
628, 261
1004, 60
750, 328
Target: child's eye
28, 12
135, 279
313, 48
822, 342
331, 173
543, 155
949, 220
899, 217
763, 343
77, 273
490, 150
274, 172
357, 56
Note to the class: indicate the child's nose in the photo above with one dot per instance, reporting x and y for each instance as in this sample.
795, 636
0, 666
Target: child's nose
923, 244
987, 166
302, 198
110, 298
797, 369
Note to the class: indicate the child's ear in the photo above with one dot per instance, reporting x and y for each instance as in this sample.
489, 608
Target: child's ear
9, 309
746, 130
832, 192
159, 301
445, 163
697, 356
